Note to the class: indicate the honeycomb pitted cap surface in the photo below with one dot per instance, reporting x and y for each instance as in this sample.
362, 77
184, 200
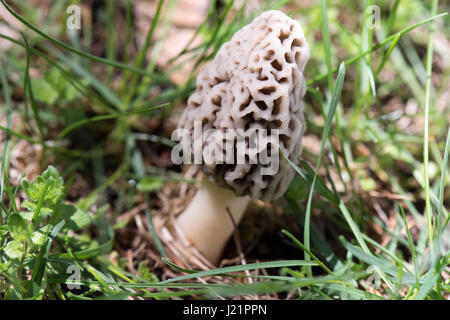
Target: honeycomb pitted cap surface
254, 82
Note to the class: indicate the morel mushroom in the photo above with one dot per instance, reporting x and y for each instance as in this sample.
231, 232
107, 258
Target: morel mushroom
255, 82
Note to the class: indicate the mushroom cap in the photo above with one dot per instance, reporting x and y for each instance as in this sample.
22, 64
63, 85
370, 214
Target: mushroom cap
254, 82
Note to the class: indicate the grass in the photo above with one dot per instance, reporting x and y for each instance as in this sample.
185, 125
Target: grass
371, 204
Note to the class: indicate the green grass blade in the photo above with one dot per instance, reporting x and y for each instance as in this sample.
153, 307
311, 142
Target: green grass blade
392, 17
190, 271
81, 53
443, 179
377, 46
384, 265
8, 120
411, 247
128, 23
111, 45
151, 227
41, 260
434, 270
83, 122
90, 79
174, 266
331, 110
327, 45
359, 237
317, 238
326, 42
427, 102
387, 55
140, 56
250, 266
88, 253
366, 62
321, 188
263, 287
40, 204
297, 242
354, 292
34, 106
353, 227
74, 81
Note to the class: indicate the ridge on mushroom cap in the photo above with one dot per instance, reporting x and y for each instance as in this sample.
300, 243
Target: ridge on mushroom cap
254, 82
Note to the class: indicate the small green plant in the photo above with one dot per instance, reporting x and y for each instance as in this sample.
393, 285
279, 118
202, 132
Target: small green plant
75, 267
28, 234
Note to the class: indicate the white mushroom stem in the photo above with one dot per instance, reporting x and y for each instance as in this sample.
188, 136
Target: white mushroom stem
206, 223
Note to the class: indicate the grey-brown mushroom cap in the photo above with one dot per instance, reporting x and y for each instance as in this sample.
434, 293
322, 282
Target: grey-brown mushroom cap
255, 82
